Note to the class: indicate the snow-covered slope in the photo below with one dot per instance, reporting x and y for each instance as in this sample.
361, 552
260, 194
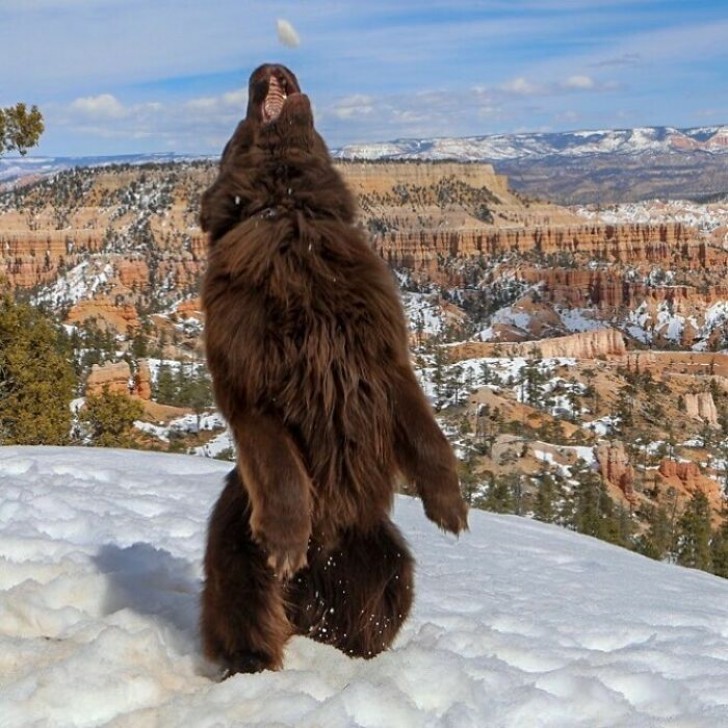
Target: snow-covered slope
515, 624
12, 168
539, 145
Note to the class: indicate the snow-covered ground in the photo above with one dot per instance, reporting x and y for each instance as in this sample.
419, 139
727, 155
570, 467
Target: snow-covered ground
703, 217
516, 623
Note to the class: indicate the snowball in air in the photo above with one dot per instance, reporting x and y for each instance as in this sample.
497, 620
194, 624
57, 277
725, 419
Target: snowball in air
287, 34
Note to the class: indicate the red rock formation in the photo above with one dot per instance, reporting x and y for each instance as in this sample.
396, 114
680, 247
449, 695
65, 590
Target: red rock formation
191, 307
650, 243
133, 273
608, 289
701, 406
686, 479
687, 472
118, 379
584, 345
107, 312
615, 467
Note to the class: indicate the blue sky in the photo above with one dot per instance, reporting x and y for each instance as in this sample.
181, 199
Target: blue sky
125, 76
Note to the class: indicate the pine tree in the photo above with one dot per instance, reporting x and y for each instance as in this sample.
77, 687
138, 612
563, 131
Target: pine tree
139, 347
499, 498
657, 542
20, 128
587, 501
164, 388
719, 551
544, 507
110, 418
694, 534
532, 379
199, 394
594, 511
37, 379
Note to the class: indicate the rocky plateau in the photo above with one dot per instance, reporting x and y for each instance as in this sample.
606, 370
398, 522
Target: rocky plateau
620, 300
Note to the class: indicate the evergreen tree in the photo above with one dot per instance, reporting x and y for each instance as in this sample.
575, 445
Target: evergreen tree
164, 387
469, 480
694, 534
200, 396
587, 501
20, 128
499, 498
532, 380
195, 389
594, 511
110, 418
657, 542
625, 407
139, 347
544, 507
719, 551
37, 378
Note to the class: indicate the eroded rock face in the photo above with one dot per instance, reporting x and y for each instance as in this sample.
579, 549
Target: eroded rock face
686, 471
701, 406
121, 317
685, 479
608, 289
615, 467
584, 345
381, 177
634, 243
445, 222
118, 379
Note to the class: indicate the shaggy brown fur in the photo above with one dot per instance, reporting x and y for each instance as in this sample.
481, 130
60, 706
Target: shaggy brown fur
307, 345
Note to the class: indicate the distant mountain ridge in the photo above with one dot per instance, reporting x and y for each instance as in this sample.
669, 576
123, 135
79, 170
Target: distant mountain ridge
584, 167
15, 168
540, 145
574, 167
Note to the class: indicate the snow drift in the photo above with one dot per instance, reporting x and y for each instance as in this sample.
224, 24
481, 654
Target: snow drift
515, 624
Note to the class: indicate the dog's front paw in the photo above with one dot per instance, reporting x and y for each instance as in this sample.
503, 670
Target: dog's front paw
447, 509
285, 541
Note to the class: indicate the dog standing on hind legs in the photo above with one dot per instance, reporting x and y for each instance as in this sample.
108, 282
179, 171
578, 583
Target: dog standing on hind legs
306, 342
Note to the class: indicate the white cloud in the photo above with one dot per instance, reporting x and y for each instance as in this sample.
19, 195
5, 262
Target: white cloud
353, 106
224, 103
579, 83
205, 103
521, 87
102, 106
236, 99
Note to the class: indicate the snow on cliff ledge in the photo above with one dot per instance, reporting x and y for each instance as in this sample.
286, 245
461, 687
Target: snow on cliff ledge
515, 624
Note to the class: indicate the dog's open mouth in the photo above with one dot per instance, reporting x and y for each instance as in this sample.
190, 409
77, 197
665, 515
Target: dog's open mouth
276, 97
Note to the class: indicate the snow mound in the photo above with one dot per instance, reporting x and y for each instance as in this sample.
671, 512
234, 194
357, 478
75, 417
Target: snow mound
515, 624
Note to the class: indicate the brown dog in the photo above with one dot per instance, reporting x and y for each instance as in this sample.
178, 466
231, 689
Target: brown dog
307, 346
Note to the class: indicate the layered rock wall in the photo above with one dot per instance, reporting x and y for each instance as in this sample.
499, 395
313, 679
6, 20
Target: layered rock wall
422, 250
585, 345
379, 177
608, 289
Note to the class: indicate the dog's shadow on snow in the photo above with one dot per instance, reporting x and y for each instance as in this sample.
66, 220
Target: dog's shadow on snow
153, 583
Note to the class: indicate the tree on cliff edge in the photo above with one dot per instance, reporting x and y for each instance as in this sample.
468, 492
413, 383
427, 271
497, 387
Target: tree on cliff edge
37, 381
20, 128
